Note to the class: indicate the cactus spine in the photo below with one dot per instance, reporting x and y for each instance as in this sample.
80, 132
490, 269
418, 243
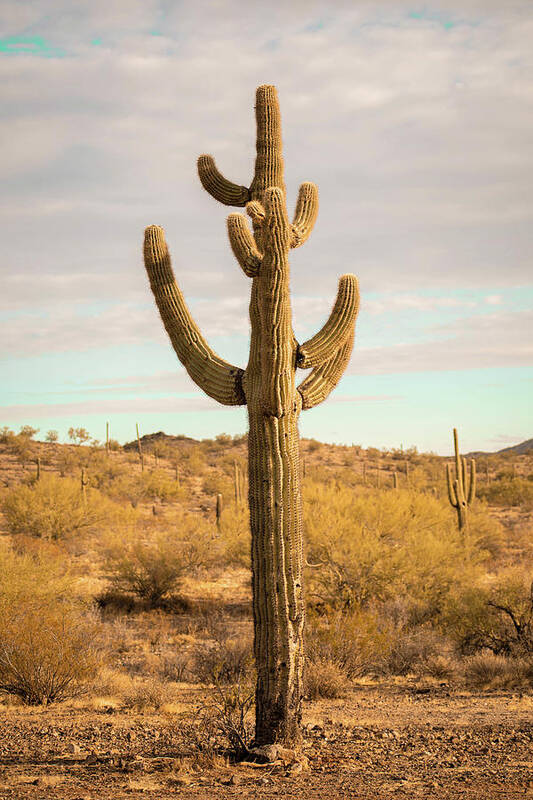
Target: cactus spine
274, 400
461, 490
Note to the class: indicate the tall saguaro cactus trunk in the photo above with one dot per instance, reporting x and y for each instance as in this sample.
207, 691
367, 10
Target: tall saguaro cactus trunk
268, 387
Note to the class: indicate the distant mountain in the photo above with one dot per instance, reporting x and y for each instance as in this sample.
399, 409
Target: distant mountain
517, 449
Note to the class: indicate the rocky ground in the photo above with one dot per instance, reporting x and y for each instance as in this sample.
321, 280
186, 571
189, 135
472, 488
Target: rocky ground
379, 742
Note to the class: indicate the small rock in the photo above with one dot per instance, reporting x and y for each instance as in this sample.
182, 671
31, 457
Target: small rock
73, 748
265, 754
137, 765
235, 780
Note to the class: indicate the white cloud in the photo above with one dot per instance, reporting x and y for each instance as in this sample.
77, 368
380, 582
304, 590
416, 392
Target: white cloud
495, 340
422, 183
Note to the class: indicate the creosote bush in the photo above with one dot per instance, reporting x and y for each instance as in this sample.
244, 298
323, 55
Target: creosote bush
324, 678
372, 546
53, 508
509, 491
151, 564
47, 641
493, 614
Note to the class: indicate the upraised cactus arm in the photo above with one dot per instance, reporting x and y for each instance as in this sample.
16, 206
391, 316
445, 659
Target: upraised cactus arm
305, 214
316, 351
216, 377
323, 379
243, 245
226, 192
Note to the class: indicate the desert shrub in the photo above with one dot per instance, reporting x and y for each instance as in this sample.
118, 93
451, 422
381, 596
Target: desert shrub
234, 535
78, 435
223, 726
68, 461
6, 435
159, 484
193, 461
215, 483
23, 447
47, 642
371, 641
53, 508
224, 662
146, 693
487, 670
440, 667
495, 615
175, 667
52, 436
28, 431
152, 566
372, 546
509, 491
324, 678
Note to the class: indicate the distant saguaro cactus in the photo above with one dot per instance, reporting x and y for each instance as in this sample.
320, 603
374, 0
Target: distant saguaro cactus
268, 387
459, 495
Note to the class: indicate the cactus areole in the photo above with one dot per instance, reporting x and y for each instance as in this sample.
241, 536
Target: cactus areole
268, 388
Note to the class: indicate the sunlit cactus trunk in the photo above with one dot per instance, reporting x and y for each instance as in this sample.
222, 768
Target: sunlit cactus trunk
268, 387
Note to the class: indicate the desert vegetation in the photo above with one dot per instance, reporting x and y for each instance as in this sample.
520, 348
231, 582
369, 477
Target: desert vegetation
394, 587
119, 590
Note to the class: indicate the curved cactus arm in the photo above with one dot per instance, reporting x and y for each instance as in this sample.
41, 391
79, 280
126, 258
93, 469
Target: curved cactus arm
452, 496
305, 214
226, 192
323, 379
331, 337
243, 245
472, 487
216, 377
255, 211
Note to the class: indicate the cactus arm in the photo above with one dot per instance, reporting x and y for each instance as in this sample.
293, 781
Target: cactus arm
340, 325
452, 497
305, 214
216, 377
458, 465
472, 487
463, 476
243, 245
226, 192
323, 379
255, 211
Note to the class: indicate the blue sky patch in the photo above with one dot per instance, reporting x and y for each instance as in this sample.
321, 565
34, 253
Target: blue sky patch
30, 45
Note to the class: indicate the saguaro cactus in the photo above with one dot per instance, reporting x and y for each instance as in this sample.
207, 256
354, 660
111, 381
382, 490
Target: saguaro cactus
268, 387
459, 495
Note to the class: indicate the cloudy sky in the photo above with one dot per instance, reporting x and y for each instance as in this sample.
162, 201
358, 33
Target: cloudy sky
415, 121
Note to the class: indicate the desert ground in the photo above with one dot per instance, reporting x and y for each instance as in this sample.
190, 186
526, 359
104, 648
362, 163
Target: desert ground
414, 704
